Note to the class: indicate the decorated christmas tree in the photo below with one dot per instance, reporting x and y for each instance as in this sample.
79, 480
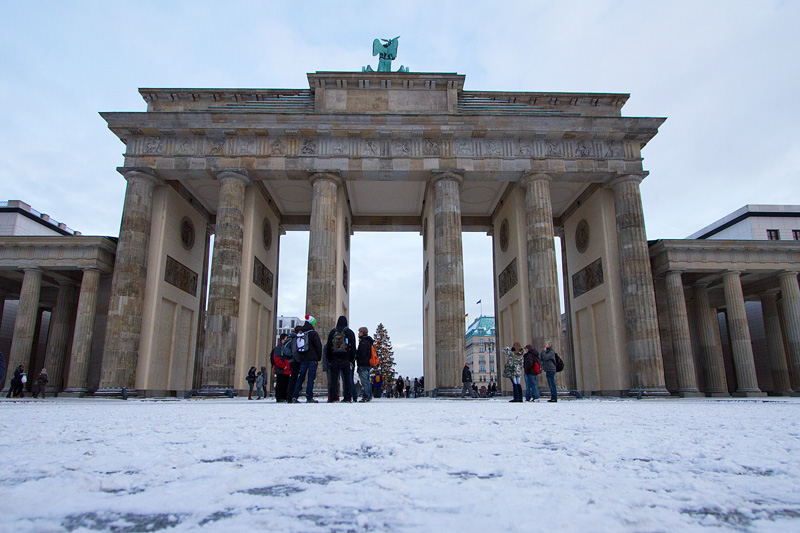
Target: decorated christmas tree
383, 348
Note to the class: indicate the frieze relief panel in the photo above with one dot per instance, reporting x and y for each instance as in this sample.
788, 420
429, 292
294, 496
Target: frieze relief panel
508, 278
294, 145
587, 278
262, 276
181, 276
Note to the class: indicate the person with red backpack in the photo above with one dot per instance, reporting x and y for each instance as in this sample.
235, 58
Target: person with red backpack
282, 369
533, 367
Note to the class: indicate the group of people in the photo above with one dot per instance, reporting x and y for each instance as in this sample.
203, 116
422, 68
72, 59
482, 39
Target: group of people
296, 358
16, 387
405, 388
528, 363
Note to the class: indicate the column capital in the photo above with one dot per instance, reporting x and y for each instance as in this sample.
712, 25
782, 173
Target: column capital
327, 175
233, 173
787, 274
535, 176
731, 273
456, 175
141, 173
625, 178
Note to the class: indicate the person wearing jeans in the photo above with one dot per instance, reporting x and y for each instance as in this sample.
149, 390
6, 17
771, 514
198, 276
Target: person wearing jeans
531, 375
363, 354
548, 357
309, 360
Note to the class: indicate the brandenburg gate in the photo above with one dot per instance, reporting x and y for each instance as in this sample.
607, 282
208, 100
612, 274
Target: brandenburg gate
393, 151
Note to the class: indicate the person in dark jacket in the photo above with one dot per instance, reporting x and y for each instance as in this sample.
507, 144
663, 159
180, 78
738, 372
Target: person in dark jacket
311, 359
15, 387
399, 386
466, 382
377, 385
294, 363
41, 383
548, 357
341, 352
281, 367
363, 355
251, 380
265, 382
531, 364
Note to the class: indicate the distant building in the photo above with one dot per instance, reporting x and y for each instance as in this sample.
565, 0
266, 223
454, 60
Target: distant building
18, 219
481, 350
286, 324
755, 222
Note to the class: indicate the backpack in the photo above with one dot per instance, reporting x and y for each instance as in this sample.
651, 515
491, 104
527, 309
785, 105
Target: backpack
373, 358
338, 341
286, 349
559, 363
301, 342
537, 368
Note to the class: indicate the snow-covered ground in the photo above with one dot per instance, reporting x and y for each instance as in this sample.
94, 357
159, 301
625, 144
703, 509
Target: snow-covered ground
400, 465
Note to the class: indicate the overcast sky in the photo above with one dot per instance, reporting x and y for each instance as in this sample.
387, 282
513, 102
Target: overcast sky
724, 73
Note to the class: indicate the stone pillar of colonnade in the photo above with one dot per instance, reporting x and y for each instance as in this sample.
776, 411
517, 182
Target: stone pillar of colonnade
568, 348
542, 270
777, 354
25, 324
739, 332
322, 260
83, 334
710, 350
638, 294
222, 319
124, 329
58, 340
448, 283
681, 338
790, 294
3, 296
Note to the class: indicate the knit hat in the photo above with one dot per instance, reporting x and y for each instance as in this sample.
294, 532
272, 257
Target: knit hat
311, 320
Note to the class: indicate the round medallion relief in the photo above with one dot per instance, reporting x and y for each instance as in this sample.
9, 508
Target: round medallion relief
187, 233
347, 235
504, 235
582, 236
266, 234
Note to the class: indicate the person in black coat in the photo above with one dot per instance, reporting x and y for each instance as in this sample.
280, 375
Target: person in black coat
15, 387
466, 382
532, 367
341, 353
310, 360
363, 355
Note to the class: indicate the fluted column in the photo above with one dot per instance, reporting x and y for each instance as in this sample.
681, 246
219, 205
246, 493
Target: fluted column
25, 324
542, 271
83, 335
3, 296
449, 281
61, 322
739, 332
710, 350
638, 295
777, 355
322, 260
681, 338
222, 322
124, 329
790, 293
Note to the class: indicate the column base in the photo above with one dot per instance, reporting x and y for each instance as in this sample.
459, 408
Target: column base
690, 394
116, 393
216, 392
749, 394
661, 393
718, 395
446, 392
75, 392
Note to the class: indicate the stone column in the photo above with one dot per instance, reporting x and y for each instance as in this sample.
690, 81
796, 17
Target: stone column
83, 334
448, 282
3, 296
790, 293
710, 351
681, 338
222, 322
542, 271
568, 348
777, 355
124, 328
638, 295
322, 260
55, 359
25, 324
739, 332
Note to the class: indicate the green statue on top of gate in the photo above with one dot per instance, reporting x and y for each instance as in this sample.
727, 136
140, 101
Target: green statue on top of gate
387, 50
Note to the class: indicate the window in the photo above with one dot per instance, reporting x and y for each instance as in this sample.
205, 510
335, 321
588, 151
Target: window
773, 234
796, 234
482, 350
483, 368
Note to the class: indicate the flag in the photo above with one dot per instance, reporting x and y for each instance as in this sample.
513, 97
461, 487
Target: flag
479, 301
466, 316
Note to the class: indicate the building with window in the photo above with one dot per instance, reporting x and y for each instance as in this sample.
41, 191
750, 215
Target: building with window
481, 350
755, 222
286, 324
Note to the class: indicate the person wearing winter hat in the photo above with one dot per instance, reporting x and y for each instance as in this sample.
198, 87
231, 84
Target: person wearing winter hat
41, 383
310, 361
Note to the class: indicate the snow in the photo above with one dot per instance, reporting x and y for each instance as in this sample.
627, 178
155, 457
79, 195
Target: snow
400, 465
